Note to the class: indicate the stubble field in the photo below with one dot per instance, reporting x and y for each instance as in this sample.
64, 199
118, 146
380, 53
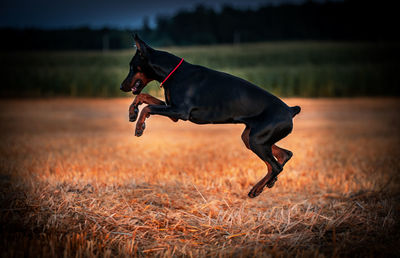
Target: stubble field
76, 182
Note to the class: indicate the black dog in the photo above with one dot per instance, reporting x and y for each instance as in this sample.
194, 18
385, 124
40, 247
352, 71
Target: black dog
205, 96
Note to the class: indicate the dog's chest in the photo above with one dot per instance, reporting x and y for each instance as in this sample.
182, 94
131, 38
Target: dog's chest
167, 95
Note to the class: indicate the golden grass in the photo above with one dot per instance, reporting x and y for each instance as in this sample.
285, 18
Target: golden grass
76, 182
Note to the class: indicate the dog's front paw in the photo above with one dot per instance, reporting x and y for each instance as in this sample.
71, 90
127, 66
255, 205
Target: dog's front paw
139, 129
133, 114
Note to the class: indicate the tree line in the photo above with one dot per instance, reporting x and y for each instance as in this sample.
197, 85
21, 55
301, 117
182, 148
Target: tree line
339, 20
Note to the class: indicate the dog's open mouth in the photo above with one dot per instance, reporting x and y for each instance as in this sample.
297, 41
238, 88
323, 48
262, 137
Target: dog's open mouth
137, 87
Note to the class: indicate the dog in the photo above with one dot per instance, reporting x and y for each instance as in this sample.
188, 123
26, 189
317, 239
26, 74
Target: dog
206, 96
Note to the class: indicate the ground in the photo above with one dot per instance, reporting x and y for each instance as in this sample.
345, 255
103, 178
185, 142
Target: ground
75, 181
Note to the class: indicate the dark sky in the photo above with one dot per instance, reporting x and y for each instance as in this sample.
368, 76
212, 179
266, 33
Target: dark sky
100, 13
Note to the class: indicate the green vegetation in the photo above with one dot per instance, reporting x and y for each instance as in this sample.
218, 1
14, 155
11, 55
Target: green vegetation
306, 69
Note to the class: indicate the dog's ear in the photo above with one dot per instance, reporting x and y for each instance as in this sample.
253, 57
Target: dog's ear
141, 46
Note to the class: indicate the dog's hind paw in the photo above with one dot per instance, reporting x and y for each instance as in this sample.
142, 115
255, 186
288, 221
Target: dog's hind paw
254, 192
139, 129
133, 114
271, 182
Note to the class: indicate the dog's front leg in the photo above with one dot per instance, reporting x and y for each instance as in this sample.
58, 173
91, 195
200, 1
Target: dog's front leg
146, 99
173, 113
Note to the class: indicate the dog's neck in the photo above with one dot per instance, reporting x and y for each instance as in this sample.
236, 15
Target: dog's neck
162, 64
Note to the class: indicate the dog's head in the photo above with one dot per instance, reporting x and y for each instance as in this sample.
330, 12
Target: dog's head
140, 71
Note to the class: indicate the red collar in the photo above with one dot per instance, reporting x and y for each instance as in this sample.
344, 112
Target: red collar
166, 78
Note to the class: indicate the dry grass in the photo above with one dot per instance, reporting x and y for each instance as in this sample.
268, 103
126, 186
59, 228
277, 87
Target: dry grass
76, 182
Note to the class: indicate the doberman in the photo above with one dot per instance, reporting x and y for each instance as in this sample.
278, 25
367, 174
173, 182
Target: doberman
205, 96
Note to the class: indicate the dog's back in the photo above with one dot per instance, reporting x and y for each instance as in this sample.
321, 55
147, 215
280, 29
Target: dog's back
218, 97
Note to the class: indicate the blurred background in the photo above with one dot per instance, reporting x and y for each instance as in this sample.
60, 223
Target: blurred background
289, 47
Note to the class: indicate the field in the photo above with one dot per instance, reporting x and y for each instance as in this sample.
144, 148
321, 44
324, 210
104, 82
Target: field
76, 182
303, 68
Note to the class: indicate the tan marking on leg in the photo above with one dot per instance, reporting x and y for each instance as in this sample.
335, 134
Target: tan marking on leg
281, 154
259, 187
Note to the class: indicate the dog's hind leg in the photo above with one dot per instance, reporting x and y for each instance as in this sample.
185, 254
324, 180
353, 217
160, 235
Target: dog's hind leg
274, 168
262, 142
260, 185
283, 156
279, 153
143, 98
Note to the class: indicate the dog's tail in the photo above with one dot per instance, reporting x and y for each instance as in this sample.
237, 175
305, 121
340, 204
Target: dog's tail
295, 110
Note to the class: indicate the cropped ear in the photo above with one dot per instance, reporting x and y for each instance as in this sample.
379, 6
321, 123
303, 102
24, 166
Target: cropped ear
141, 46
